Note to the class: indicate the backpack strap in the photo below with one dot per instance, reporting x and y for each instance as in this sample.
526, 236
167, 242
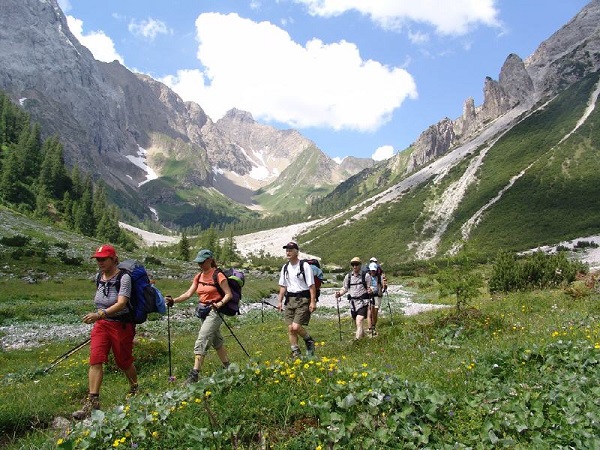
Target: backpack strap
364, 281
285, 269
117, 281
215, 282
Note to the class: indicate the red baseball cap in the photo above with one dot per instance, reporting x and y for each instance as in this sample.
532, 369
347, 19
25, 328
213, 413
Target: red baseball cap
105, 251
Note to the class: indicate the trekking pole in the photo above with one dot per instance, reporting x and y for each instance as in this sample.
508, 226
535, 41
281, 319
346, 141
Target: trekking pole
66, 355
264, 302
339, 318
372, 306
169, 338
390, 307
232, 333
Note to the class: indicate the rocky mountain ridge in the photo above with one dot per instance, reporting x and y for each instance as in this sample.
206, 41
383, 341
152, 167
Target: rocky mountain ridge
565, 57
107, 116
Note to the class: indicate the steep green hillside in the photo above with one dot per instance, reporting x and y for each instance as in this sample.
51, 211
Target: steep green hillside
557, 197
298, 184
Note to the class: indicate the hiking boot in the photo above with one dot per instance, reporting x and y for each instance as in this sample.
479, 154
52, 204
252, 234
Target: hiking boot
226, 365
310, 346
133, 390
91, 403
193, 376
296, 353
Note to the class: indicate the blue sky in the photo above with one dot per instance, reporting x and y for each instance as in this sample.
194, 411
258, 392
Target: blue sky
358, 77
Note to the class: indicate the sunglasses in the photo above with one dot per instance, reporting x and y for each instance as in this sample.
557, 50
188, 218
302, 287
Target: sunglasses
101, 259
355, 264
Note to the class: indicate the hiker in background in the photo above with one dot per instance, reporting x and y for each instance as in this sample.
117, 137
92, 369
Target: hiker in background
112, 328
379, 286
300, 299
358, 286
210, 301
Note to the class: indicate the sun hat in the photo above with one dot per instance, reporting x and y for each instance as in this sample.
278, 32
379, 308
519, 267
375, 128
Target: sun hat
203, 255
291, 244
105, 251
373, 259
356, 259
373, 266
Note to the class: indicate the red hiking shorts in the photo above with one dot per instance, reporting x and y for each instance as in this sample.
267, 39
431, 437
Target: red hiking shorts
118, 336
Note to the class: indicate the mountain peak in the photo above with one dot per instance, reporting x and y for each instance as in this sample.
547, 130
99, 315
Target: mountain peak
237, 115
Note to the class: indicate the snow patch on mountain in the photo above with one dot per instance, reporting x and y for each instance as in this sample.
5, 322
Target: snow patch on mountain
140, 160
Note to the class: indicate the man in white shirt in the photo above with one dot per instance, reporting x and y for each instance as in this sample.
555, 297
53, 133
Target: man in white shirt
297, 287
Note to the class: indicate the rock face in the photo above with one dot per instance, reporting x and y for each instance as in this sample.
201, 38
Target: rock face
567, 56
108, 116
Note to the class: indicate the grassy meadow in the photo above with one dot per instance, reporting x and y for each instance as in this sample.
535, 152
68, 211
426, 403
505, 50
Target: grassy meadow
518, 371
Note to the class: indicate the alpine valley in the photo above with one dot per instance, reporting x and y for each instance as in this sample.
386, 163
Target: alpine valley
519, 171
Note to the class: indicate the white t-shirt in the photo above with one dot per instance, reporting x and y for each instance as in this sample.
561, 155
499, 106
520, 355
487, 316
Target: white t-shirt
293, 281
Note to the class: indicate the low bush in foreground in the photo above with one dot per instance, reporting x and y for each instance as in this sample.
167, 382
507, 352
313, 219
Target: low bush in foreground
544, 397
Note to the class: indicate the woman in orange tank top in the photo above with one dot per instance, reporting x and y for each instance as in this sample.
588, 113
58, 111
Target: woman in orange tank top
209, 303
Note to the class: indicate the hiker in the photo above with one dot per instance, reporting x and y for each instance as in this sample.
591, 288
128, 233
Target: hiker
210, 301
300, 299
112, 330
379, 286
358, 286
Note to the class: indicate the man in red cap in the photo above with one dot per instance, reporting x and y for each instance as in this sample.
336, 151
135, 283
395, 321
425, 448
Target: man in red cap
112, 330
298, 288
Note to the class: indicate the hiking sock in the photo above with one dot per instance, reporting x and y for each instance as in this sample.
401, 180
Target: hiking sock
295, 351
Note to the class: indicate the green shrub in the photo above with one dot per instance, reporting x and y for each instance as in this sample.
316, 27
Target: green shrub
536, 271
17, 240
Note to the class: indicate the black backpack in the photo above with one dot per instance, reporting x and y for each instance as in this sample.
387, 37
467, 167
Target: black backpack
363, 273
145, 297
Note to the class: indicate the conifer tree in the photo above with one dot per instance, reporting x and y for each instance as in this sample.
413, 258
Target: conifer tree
67, 209
29, 146
184, 247
108, 226
84, 211
53, 176
12, 189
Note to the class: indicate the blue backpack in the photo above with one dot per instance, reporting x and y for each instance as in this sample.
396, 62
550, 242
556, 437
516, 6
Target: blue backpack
145, 297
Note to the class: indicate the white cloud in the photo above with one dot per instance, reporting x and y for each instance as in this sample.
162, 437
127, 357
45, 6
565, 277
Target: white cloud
454, 17
418, 37
383, 152
148, 29
257, 67
101, 46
